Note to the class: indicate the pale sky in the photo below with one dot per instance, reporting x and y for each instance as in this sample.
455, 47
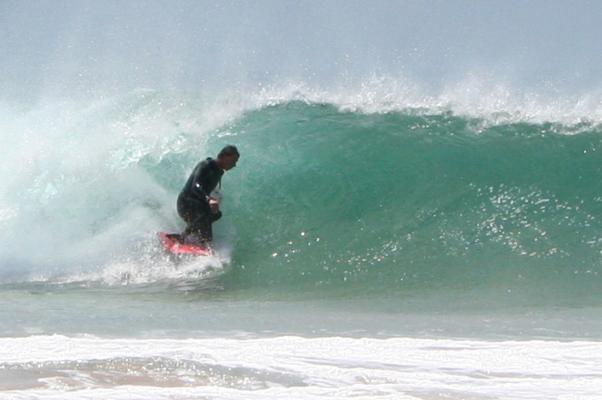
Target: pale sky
64, 46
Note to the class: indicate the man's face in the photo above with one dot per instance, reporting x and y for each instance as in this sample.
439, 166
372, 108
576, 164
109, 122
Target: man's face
229, 162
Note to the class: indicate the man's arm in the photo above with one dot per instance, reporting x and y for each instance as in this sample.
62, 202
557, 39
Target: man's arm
199, 180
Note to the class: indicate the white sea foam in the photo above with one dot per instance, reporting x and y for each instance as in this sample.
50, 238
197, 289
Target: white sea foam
473, 96
296, 367
160, 268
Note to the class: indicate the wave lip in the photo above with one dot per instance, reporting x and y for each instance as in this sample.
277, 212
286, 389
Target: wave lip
328, 367
475, 96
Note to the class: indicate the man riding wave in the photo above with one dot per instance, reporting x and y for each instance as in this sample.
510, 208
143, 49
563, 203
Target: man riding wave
195, 204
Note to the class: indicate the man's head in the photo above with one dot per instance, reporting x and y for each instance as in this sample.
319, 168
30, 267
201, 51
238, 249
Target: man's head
228, 157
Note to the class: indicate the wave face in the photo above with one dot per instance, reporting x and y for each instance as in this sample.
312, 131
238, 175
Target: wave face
409, 200
325, 197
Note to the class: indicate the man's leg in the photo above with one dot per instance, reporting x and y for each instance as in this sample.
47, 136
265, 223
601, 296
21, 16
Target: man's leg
201, 227
199, 230
198, 218
216, 216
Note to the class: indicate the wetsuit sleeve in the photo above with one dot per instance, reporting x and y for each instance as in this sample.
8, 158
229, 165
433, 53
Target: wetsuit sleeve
200, 180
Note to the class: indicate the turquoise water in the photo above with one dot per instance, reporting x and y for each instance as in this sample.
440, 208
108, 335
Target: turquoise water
407, 201
404, 210
416, 213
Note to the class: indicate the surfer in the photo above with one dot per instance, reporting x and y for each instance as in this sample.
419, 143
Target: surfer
195, 204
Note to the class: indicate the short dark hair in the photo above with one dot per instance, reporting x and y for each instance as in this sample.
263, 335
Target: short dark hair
229, 150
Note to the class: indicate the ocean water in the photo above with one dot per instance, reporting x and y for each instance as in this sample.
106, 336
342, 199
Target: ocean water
402, 253
386, 235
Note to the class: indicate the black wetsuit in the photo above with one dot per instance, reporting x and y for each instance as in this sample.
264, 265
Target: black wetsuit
193, 203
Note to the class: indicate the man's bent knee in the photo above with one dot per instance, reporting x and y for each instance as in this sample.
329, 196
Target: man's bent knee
216, 216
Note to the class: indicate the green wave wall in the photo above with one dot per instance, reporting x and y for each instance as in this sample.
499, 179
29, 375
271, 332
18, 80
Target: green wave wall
326, 198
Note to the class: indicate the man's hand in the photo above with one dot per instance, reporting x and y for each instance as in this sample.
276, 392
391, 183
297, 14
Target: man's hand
214, 205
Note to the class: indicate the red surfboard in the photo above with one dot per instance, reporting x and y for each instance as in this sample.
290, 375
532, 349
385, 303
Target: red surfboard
172, 242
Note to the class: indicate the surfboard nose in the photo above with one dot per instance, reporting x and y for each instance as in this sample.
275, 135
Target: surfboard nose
172, 243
